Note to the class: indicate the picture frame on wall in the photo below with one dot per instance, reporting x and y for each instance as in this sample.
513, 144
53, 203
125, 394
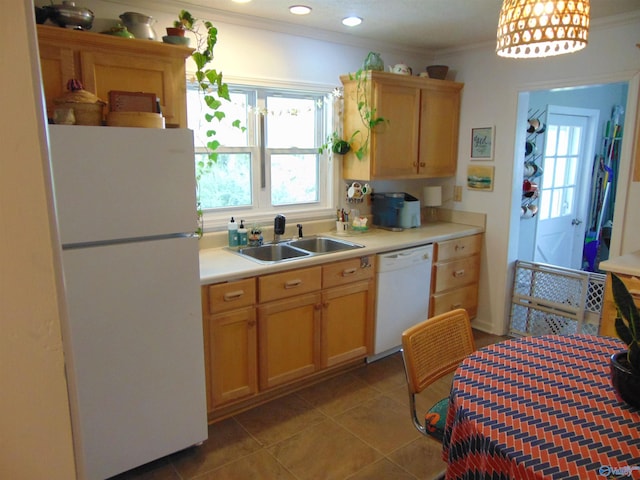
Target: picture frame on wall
480, 177
482, 143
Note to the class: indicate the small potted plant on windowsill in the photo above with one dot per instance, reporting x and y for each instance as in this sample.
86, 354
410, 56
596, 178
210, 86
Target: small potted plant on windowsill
625, 365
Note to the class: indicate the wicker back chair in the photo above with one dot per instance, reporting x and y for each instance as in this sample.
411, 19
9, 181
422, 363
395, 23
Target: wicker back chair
430, 350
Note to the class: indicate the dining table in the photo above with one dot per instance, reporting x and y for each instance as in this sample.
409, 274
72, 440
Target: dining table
540, 407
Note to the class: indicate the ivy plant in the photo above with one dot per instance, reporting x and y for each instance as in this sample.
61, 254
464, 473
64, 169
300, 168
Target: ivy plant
212, 87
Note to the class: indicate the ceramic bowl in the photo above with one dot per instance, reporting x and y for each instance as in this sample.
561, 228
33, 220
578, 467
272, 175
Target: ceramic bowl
176, 40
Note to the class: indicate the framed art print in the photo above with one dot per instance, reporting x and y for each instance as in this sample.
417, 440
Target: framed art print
480, 177
482, 140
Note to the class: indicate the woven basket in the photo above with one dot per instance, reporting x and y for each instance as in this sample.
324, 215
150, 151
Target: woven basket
85, 113
87, 108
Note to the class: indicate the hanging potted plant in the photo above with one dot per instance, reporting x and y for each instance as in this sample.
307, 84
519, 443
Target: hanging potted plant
337, 144
625, 365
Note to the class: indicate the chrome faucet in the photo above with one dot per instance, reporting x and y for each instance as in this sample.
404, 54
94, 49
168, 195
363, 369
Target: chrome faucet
278, 227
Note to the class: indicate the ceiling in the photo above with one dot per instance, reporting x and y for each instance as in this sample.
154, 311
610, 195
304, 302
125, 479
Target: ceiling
410, 24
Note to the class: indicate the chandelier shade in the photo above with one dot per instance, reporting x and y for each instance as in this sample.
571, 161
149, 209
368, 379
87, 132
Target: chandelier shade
542, 28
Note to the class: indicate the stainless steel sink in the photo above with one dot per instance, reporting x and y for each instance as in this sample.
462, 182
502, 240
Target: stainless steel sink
273, 252
323, 244
294, 249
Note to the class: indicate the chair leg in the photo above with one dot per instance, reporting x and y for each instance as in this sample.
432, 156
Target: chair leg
414, 415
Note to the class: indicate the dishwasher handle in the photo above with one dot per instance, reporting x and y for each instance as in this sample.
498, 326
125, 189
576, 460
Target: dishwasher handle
404, 258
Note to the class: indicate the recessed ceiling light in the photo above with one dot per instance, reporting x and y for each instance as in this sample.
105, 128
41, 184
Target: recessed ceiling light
241, 1
351, 21
300, 9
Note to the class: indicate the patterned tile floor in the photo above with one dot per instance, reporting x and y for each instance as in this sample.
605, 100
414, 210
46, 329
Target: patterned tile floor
355, 426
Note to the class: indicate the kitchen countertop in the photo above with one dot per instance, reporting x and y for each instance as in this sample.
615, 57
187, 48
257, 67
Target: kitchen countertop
220, 264
628, 264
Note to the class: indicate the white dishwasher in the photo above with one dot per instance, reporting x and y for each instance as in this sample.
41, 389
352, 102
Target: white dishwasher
402, 297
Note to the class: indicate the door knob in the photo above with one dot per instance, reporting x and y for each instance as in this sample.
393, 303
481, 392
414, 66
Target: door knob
576, 221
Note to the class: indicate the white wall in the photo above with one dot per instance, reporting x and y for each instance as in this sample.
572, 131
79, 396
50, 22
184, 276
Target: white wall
490, 97
35, 426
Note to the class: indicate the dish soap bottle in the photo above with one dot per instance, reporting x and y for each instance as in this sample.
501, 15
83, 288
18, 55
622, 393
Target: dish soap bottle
243, 236
232, 228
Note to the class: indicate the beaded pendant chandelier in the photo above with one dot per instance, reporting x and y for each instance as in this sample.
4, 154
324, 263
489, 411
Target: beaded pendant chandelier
542, 28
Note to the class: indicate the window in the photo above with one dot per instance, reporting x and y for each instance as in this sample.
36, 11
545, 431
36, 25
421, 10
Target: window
273, 166
561, 165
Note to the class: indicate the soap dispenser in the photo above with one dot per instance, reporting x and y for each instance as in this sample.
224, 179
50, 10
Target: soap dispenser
243, 235
232, 228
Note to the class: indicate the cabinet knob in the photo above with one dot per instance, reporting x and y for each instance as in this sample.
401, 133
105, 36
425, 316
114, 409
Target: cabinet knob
458, 273
423, 164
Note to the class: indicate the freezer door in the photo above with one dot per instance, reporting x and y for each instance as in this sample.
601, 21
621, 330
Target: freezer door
114, 183
134, 345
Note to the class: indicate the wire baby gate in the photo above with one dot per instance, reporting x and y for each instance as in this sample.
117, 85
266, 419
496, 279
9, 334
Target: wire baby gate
554, 300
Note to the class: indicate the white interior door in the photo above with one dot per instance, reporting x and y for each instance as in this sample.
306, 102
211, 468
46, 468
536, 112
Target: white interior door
564, 193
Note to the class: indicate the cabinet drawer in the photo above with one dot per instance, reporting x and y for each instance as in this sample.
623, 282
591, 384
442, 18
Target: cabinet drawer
465, 297
346, 271
228, 296
456, 274
458, 247
288, 284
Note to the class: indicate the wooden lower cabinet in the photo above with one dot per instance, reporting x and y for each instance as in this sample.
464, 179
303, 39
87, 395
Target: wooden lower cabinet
456, 272
233, 345
265, 336
289, 340
230, 341
347, 326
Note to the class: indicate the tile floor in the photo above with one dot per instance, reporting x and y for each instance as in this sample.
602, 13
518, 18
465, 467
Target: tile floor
355, 426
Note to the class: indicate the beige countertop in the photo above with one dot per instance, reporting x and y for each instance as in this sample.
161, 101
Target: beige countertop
221, 264
628, 264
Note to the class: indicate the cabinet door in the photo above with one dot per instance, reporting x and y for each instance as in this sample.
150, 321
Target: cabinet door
347, 323
289, 339
104, 72
232, 356
394, 145
439, 125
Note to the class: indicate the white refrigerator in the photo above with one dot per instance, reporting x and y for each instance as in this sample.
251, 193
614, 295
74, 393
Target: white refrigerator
126, 213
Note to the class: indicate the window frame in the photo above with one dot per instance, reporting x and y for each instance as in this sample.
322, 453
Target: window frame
262, 212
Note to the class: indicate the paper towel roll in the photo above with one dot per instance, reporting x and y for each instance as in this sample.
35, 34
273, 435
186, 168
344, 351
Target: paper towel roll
432, 196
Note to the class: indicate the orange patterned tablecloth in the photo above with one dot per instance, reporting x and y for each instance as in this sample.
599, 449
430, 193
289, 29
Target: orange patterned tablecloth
540, 408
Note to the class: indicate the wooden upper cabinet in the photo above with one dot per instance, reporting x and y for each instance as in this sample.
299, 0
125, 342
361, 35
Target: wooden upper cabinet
439, 125
420, 136
104, 63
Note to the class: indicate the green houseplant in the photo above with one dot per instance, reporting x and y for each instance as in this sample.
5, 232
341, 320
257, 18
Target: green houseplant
367, 113
337, 144
211, 86
625, 365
